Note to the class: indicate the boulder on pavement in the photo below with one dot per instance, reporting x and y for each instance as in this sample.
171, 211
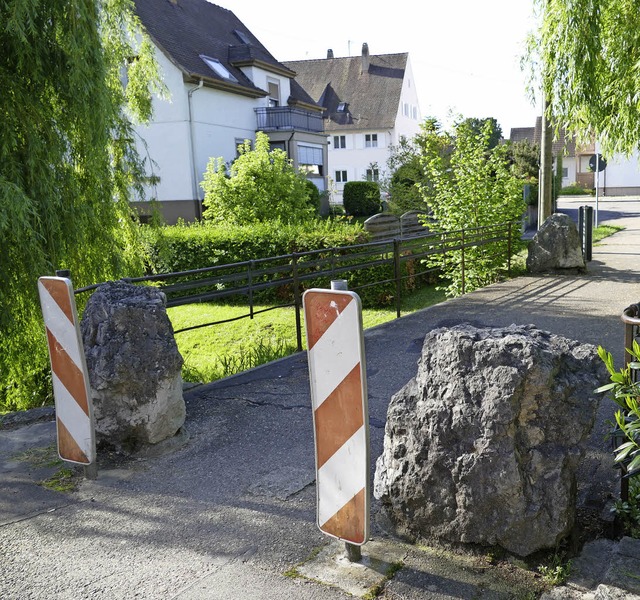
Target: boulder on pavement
556, 246
482, 445
134, 366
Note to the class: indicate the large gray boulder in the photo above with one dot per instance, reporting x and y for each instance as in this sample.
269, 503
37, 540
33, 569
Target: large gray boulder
134, 366
482, 445
556, 247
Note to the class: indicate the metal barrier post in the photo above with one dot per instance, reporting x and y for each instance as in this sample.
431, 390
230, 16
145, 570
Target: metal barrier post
297, 300
509, 248
396, 269
462, 260
585, 228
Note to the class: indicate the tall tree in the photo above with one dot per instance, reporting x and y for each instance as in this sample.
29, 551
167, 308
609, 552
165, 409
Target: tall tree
588, 53
469, 185
478, 127
68, 162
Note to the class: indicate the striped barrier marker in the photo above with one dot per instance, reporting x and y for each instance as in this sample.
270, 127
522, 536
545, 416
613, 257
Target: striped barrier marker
340, 413
74, 411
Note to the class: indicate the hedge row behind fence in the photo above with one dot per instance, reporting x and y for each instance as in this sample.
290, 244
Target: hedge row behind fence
195, 246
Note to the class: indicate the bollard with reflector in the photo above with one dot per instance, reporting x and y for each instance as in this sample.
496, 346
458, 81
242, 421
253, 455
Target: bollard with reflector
74, 410
337, 374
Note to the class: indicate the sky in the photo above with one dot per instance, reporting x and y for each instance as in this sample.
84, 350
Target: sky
465, 55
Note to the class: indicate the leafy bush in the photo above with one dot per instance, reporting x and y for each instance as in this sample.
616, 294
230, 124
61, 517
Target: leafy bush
471, 185
261, 185
193, 246
313, 196
361, 198
574, 190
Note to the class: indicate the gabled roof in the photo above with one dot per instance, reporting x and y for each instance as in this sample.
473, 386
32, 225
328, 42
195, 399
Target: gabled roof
187, 30
371, 99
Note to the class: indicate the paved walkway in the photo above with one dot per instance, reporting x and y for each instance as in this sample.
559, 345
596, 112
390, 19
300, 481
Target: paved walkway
228, 510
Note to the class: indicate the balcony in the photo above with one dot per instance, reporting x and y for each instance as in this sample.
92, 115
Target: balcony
285, 118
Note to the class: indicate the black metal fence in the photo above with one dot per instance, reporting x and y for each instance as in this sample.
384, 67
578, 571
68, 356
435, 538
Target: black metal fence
382, 266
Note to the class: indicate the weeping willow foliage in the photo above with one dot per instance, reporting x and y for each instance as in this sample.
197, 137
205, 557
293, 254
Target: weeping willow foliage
68, 162
587, 56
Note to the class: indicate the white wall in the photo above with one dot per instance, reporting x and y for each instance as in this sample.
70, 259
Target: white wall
569, 163
167, 139
356, 158
621, 172
407, 125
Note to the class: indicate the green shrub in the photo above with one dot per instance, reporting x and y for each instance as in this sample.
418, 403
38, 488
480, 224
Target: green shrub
193, 246
574, 190
314, 196
361, 198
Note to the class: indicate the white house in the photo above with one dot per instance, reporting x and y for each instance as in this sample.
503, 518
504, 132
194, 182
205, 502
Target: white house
369, 102
224, 86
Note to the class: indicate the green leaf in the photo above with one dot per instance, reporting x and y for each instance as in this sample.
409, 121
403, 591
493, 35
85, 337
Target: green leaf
605, 388
634, 464
623, 451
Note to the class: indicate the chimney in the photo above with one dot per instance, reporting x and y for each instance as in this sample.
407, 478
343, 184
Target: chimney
365, 58
329, 53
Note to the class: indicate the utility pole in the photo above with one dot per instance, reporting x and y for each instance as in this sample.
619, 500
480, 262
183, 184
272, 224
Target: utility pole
545, 185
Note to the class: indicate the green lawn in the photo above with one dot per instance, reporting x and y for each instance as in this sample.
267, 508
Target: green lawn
217, 351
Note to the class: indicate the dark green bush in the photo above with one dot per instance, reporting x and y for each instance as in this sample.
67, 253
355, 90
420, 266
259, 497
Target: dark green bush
314, 196
574, 190
361, 198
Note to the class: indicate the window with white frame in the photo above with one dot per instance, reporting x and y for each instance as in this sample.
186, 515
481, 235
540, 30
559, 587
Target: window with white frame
341, 176
273, 86
371, 140
373, 175
339, 141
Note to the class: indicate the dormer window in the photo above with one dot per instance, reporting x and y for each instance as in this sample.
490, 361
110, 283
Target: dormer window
218, 68
242, 36
343, 107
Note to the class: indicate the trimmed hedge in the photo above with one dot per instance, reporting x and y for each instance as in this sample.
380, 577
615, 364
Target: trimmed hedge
192, 246
361, 198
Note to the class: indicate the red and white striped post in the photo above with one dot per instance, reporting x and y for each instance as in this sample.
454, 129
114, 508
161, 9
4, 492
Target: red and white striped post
74, 410
337, 374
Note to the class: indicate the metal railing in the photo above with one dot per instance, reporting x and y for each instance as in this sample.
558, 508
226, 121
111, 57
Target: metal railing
280, 280
284, 118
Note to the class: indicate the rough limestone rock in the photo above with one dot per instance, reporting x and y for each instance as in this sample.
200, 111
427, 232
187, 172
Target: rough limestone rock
134, 366
556, 246
482, 445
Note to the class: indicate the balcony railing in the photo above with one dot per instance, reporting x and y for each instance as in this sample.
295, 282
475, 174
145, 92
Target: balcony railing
284, 118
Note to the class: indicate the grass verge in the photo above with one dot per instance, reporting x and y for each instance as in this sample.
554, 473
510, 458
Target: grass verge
603, 231
218, 351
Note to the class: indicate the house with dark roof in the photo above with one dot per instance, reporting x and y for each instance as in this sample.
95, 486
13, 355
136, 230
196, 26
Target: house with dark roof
223, 86
575, 159
369, 102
